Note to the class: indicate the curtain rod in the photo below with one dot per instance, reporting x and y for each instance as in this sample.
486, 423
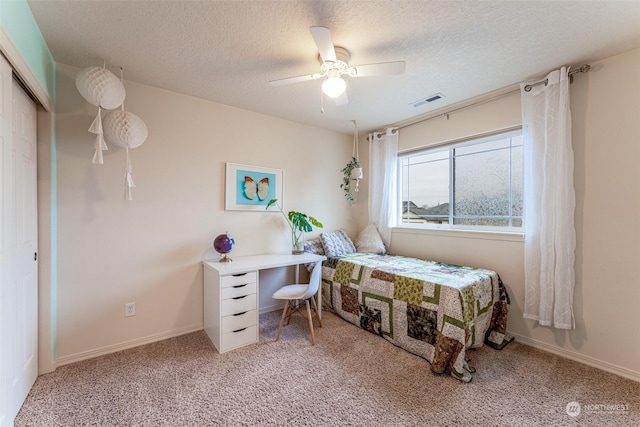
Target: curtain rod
584, 69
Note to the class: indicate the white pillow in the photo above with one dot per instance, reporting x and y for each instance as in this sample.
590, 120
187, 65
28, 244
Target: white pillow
369, 241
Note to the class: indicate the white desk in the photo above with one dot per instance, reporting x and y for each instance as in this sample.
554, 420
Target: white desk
231, 292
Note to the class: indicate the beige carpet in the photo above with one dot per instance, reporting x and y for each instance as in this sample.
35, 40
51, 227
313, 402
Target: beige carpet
350, 378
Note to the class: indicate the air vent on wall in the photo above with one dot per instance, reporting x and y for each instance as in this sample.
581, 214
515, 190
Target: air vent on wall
428, 99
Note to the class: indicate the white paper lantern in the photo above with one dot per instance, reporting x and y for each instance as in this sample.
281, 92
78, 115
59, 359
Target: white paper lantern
124, 129
103, 89
128, 131
100, 87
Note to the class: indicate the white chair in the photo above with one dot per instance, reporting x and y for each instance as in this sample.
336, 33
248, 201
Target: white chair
295, 292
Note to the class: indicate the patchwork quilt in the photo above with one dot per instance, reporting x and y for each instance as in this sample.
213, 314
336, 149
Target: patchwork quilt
434, 310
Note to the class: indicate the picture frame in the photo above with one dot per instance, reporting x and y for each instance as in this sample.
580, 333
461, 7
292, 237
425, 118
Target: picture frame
249, 188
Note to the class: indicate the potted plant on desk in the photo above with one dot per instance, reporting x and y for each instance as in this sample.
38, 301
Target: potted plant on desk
299, 223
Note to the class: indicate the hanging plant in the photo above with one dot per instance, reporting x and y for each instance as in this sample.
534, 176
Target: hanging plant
347, 178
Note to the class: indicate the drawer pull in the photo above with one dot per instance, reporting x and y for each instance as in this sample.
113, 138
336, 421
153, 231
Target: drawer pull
240, 286
239, 274
243, 296
239, 330
240, 314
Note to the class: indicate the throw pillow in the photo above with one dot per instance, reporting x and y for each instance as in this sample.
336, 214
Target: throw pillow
313, 246
369, 241
337, 243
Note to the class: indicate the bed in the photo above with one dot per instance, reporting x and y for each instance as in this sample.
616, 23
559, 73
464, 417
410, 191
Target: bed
434, 310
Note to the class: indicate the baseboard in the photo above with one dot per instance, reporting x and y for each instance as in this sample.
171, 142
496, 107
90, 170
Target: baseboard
72, 358
578, 357
127, 345
273, 307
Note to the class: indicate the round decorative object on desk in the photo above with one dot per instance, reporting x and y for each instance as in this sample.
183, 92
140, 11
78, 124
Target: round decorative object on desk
223, 244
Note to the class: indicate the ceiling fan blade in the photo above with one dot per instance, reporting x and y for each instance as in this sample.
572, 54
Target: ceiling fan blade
342, 99
322, 37
380, 69
296, 79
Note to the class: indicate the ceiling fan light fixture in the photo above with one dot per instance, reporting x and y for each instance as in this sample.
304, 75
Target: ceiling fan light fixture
333, 87
334, 63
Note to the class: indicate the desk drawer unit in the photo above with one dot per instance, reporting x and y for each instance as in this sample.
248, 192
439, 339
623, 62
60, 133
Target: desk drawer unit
230, 309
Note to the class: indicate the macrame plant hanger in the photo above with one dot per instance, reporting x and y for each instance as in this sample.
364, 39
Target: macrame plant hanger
352, 172
356, 172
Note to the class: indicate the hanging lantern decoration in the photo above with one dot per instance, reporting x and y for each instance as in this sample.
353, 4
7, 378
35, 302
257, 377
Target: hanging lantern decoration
352, 173
125, 129
128, 131
101, 88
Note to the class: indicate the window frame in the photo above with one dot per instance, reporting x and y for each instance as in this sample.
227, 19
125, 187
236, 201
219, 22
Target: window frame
450, 146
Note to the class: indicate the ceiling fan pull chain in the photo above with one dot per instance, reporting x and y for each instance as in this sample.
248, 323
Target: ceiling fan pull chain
321, 102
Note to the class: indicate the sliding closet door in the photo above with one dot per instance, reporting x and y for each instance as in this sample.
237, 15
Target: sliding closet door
6, 333
18, 259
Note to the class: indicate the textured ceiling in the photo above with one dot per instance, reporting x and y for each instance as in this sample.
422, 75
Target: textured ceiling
227, 51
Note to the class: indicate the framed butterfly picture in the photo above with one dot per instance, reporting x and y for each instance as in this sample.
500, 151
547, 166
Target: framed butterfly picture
249, 188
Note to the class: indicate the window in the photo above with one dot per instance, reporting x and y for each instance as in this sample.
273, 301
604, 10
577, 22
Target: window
471, 184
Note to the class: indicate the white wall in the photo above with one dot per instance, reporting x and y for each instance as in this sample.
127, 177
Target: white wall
148, 250
605, 107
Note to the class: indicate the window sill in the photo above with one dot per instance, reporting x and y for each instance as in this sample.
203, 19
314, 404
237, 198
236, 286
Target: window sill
509, 236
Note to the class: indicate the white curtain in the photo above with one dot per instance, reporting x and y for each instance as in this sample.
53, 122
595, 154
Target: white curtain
383, 178
549, 202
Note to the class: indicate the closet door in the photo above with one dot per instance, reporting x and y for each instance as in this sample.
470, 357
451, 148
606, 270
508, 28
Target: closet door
18, 252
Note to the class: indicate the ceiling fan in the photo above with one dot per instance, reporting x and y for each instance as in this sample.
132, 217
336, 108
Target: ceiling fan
335, 64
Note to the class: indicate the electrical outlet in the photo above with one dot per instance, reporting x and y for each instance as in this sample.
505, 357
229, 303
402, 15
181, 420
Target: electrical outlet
130, 309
